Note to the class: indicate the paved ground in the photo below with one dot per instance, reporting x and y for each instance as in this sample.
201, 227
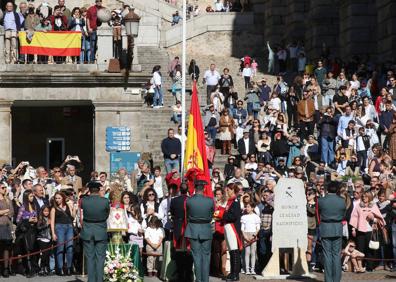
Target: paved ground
371, 277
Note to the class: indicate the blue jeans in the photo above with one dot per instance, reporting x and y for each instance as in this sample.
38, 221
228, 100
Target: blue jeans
171, 164
327, 149
85, 47
212, 132
64, 232
92, 47
158, 96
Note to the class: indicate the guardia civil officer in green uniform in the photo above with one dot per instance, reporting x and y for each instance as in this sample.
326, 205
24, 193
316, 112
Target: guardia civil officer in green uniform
200, 211
332, 211
94, 231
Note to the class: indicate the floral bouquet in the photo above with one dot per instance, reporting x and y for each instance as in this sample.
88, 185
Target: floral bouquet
119, 267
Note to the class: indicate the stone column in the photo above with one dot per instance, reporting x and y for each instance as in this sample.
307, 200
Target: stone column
386, 29
275, 12
295, 20
358, 28
5, 132
115, 114
2, 59
322, 22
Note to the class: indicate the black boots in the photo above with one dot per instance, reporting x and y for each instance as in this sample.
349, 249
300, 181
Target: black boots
235, 263
29, 270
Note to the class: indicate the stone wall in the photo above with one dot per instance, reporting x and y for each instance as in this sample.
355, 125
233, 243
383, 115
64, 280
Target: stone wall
366, 28
223, 44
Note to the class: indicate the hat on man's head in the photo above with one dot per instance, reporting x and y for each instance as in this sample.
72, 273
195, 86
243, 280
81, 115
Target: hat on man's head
246, 130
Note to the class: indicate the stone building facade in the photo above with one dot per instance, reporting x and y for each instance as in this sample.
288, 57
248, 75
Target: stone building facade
346, 28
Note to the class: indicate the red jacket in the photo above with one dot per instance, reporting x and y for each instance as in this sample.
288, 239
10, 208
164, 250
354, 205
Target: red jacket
64, 22
170, 180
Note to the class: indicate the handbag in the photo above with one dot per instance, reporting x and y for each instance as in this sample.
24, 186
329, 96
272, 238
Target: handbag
256, 106
374, 243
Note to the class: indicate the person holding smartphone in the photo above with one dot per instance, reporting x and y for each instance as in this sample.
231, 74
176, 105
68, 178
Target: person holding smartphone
62, 216
26, 230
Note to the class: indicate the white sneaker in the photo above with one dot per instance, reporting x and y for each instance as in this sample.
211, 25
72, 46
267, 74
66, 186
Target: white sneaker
242, 271
253, 272
248, 272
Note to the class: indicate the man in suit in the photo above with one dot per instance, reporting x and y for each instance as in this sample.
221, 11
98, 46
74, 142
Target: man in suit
182, 258
246, 147
94, 231
332, 211
199, 216
72, 178
39, 197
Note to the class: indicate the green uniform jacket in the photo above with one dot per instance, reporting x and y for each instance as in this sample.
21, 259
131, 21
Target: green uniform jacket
332, 211
200, 211
95, 213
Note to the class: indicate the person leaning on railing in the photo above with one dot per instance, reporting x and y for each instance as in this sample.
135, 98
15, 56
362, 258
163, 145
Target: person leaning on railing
12, 23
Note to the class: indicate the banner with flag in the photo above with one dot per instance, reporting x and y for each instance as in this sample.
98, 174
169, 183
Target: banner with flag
195, 160
51, 43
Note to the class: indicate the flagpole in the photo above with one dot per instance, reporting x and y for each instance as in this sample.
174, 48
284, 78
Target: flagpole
183, 96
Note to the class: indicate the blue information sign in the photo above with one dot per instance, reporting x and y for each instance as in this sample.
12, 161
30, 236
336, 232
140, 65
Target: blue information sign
127, 160
118, 139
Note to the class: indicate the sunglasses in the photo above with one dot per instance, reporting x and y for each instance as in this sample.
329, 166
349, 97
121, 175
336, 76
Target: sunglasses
151, 195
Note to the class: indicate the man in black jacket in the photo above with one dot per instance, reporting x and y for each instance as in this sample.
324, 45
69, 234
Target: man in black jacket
171, 148
385, 120
328, 129
246, 146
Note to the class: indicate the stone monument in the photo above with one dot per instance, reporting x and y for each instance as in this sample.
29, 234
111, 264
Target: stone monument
289, 229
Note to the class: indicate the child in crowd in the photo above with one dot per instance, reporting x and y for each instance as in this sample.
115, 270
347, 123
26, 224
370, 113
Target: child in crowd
254, 66
44, 239
250, 226
135, 229
351, 254
153, 236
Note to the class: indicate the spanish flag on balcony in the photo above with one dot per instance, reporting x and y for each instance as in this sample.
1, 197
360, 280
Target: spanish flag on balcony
53, 43
195, 161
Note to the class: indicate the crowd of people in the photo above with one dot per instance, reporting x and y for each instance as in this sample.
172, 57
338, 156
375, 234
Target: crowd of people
334, 121
40, 17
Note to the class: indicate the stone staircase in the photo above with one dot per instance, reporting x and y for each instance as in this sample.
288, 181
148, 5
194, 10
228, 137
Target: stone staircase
157, 121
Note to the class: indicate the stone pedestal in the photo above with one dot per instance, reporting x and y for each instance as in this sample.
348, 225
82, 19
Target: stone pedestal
5, 131
115, 114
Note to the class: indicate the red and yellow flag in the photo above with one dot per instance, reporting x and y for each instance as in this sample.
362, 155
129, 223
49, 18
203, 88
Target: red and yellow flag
52, 43
195, 161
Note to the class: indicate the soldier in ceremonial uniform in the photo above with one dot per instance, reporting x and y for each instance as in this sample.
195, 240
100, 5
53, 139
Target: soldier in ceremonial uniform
199, 231
232, 230
180, 252
332, 211
94, 231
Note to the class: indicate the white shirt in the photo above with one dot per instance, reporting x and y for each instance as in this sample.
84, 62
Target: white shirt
250, 222
154, 235
158, 186
219, 6
360, 144
133, 225
163, 210
246, 140
212, 78
247, 72
275, 103
282, 55
157, 79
